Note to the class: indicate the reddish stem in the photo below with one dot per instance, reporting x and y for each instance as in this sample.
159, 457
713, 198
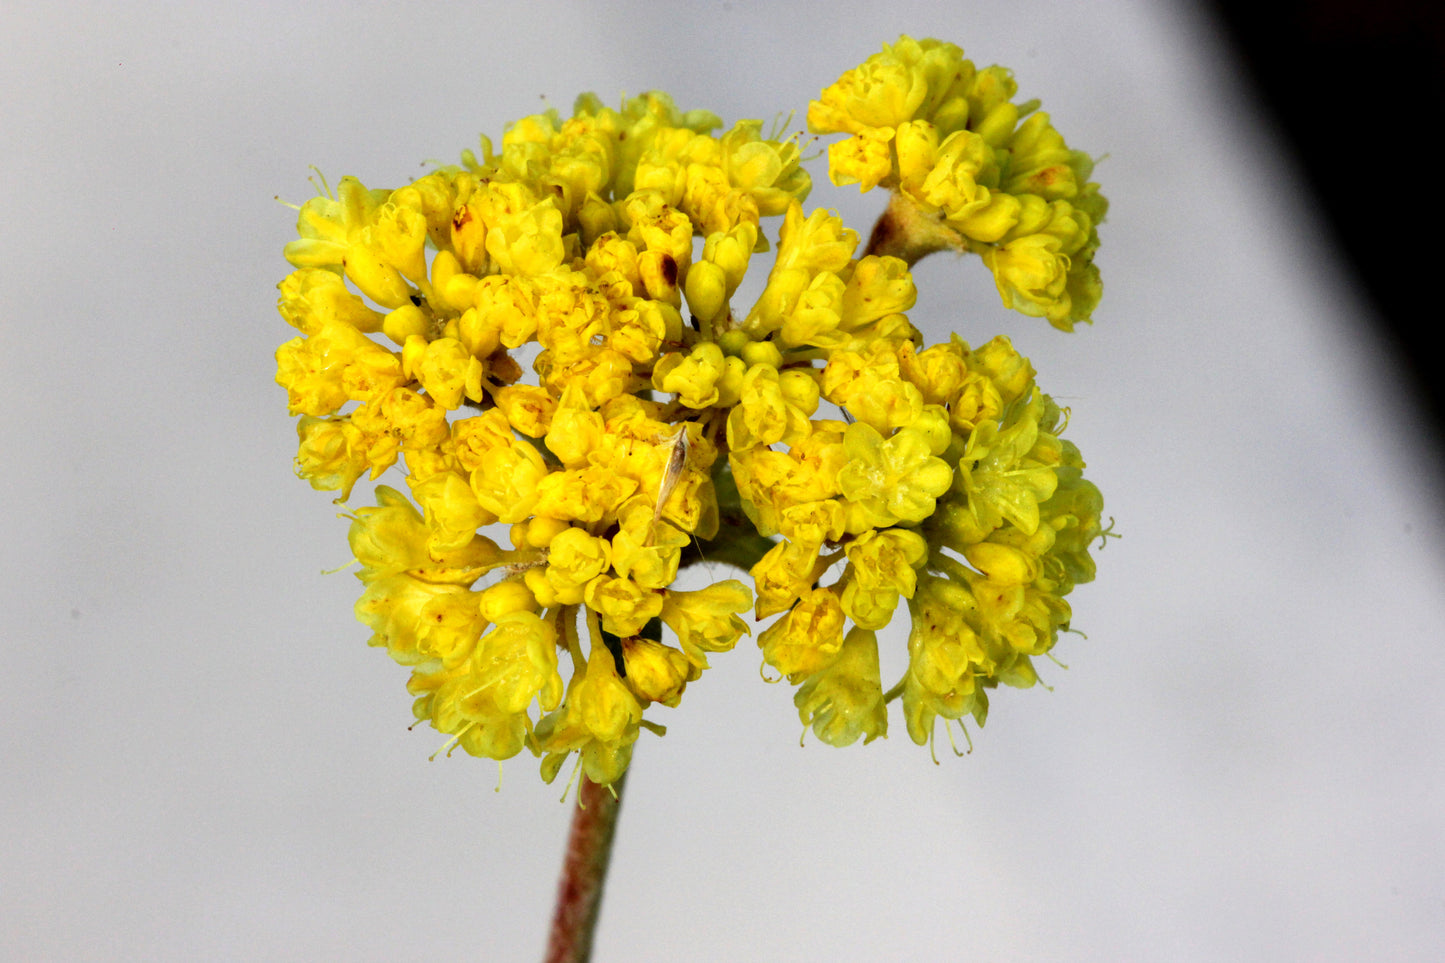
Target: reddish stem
905, 231
584, 870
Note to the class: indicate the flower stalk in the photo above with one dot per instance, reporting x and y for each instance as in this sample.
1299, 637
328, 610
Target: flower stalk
909, 233
584, 871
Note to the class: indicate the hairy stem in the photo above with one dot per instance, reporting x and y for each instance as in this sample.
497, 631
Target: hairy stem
584, 871
904, 231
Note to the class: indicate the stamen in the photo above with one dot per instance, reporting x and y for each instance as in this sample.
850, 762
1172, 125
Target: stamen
781, 124
452, 742
324, 189
567, 790
964, 729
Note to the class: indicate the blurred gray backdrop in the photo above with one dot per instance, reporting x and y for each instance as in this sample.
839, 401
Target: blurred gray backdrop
203, 760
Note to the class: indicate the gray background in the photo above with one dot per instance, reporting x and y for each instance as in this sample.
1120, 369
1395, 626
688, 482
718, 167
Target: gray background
202, 759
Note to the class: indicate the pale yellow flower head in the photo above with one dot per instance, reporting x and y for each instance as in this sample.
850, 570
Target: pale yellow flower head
543, 340
970, 170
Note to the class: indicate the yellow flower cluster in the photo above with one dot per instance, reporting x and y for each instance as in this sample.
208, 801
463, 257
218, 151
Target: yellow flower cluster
970, 170
658, 427
945, 483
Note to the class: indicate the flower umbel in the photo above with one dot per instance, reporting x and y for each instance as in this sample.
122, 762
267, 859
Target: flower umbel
970, 170
542, 340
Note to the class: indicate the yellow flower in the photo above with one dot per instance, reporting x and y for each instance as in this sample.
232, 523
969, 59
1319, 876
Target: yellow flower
693, 377
657, 672
624, 605
810, 246
517, 661
506, 483
444, 367
312, 297
588, 495
528, 408
763, 415
997, 473
402, 611
968, 168
845, 700
895, 479
944, 660
392, 538
647, 549
483, 702
453, 513
543, 337
599, 719
334, 365
767, 171
870, 387
707, 620
865, 160
807, 638
575, 558
881, 567
332, 455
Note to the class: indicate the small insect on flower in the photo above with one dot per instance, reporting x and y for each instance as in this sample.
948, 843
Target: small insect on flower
676, 461
520, 568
